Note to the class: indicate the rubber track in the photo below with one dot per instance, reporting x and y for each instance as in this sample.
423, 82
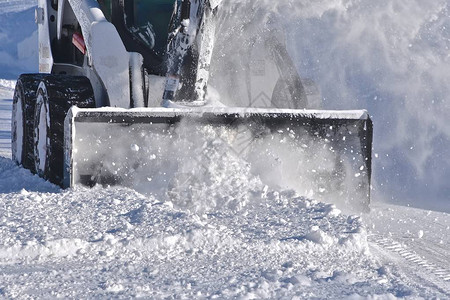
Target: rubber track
63, 92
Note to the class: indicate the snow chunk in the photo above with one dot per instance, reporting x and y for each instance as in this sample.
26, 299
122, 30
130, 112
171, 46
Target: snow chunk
420, 234
332, 211
318, 236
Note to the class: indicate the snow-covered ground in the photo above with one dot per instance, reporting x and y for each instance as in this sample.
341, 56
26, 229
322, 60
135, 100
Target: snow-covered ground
118, 243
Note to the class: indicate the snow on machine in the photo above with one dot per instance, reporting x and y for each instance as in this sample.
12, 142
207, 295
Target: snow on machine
124, 89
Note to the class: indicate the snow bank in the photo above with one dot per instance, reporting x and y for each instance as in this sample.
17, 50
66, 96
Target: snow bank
18, 39
28, 51
11, 6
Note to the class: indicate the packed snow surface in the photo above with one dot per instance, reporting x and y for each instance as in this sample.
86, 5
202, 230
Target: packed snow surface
115, 242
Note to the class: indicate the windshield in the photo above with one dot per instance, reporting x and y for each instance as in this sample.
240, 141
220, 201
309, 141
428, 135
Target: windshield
149, 20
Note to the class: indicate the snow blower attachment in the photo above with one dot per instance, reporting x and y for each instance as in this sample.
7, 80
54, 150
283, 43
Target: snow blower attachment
327, 152
121, 98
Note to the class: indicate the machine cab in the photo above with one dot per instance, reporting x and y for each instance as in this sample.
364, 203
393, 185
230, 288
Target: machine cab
143, 25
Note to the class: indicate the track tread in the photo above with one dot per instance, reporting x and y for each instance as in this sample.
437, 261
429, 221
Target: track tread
62, 92
26, 87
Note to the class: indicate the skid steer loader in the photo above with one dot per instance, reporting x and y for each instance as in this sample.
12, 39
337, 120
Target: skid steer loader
115, 75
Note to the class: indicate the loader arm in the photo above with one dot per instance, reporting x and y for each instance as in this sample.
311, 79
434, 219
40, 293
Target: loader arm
106, 52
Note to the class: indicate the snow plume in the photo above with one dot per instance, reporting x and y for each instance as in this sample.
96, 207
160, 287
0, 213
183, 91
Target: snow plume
390, 57
311, 166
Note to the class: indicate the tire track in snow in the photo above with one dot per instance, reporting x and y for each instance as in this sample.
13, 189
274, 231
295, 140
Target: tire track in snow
411, 256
